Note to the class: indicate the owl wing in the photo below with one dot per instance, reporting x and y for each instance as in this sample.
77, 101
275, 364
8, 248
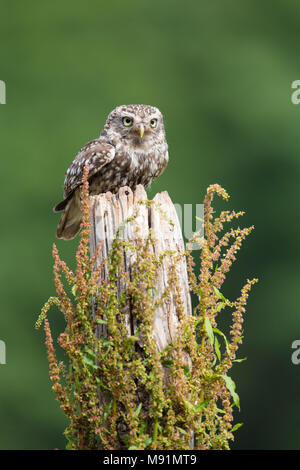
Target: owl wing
97, 154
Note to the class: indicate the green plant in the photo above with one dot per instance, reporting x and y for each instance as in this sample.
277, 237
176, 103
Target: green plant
114, 391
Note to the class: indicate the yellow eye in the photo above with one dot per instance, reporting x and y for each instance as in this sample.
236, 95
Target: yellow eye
127, 121
153, 123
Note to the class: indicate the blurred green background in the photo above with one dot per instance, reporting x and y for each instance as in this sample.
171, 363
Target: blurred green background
221, 73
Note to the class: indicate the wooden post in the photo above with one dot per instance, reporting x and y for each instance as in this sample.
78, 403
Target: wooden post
108, 211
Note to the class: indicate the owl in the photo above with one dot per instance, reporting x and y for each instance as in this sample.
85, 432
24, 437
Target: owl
131, 150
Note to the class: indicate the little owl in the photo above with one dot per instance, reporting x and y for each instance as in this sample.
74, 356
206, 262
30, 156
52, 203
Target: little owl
131, 150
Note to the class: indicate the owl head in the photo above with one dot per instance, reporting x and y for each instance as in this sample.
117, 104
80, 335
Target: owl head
137, 124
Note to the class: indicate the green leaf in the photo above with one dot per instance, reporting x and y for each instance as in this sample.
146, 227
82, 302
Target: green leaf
201, 406
147, 441
240, 360
138, 410
187, 372
181, 430
216, 330
190, 405
231, 387
107, 410
100, 321
104, 341
209, 330
239, 338
137, 331
74, 289
103, 356
220, 295
90, 362
217, 348
101, 384
220, 305
89, 352
167, 363
236, 426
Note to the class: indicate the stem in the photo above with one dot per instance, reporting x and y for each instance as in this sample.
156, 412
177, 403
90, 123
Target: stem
155, 432
114, 407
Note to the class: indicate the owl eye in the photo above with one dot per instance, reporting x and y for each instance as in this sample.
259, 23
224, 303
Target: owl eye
127, 121
153, 123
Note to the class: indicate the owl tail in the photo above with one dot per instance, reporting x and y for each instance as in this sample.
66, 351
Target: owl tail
70, 221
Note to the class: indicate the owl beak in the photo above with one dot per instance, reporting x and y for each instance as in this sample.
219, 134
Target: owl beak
141, 130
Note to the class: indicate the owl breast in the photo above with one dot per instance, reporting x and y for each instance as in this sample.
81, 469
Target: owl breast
130, 169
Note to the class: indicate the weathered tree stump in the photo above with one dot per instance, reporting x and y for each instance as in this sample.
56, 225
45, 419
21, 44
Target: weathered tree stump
108, 212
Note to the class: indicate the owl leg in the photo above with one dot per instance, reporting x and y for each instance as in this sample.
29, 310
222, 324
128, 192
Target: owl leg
70, 221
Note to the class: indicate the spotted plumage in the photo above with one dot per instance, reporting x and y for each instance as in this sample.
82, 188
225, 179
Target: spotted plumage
131, 150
